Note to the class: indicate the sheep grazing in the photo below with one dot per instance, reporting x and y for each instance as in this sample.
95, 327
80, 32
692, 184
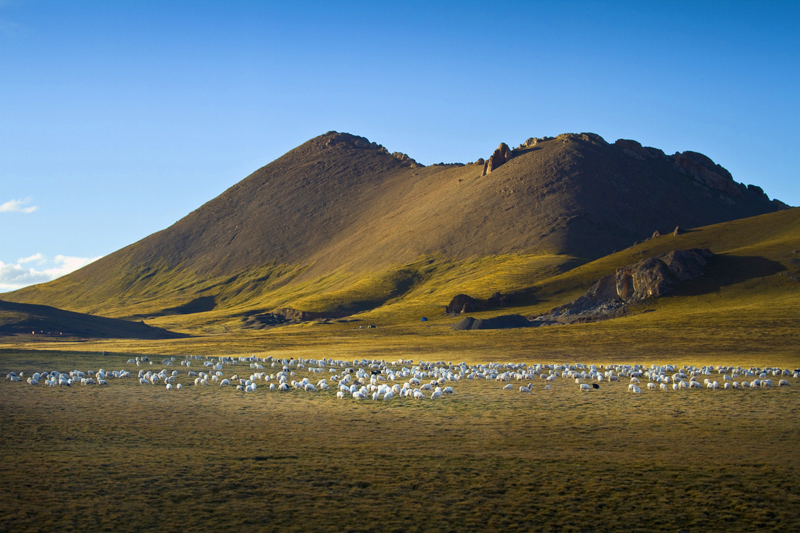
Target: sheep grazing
783, 383
508, 387
634, 388
585, 387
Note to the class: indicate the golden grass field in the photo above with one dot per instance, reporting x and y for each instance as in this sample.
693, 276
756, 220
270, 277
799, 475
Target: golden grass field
138, 457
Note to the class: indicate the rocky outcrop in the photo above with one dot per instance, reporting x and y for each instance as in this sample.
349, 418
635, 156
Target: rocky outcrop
355, 141
498, 322
612, 294
637, 151
464, 303
705, 171
498, 158
497, 300
406, 160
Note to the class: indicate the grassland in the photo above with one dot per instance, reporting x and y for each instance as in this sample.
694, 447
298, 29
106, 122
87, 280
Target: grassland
133, 457
136, 457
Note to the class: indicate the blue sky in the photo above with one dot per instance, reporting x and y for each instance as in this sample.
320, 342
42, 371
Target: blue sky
119, 118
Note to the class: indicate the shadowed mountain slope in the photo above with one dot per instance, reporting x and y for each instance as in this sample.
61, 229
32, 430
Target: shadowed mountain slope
28, 319
339, 206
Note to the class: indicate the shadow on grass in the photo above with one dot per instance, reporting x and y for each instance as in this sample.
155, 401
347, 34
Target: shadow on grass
726, 270
198, 305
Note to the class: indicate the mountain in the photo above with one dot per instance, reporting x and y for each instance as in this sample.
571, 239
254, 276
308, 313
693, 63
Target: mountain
341, 225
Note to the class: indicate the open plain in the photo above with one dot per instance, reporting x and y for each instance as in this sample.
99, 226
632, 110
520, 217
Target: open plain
132, 456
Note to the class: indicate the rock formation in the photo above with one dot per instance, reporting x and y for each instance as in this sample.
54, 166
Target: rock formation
499, 157
363, 143
637, 151
612, 294
498, 322
461, 303
407, 160
704, 170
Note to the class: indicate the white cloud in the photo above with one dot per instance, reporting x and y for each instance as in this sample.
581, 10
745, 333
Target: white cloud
17, 206
38, 258
16, 276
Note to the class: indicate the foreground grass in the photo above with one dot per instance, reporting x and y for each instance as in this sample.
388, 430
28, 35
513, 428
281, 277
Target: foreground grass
133, 457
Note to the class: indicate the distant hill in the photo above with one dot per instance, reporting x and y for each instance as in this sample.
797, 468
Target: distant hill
28, 319
341, 225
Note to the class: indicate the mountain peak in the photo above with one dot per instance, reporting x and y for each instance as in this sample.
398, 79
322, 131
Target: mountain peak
356, 142
340, 203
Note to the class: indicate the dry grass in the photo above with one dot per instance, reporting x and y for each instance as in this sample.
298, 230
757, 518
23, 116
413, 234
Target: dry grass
133, 457
136, 457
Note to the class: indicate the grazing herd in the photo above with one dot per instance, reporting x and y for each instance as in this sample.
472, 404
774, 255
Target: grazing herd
363, 379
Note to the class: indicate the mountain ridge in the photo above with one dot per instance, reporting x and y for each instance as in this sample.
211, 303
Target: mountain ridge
341, 204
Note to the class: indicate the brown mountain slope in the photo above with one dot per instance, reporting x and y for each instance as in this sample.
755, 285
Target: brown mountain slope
339, 203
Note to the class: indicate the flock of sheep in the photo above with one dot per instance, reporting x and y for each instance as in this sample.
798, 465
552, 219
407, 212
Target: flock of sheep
381, 380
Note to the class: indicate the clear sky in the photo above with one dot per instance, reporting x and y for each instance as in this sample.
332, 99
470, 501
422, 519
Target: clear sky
117, 118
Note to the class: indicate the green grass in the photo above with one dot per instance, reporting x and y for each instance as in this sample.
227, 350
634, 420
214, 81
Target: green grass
133, 457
